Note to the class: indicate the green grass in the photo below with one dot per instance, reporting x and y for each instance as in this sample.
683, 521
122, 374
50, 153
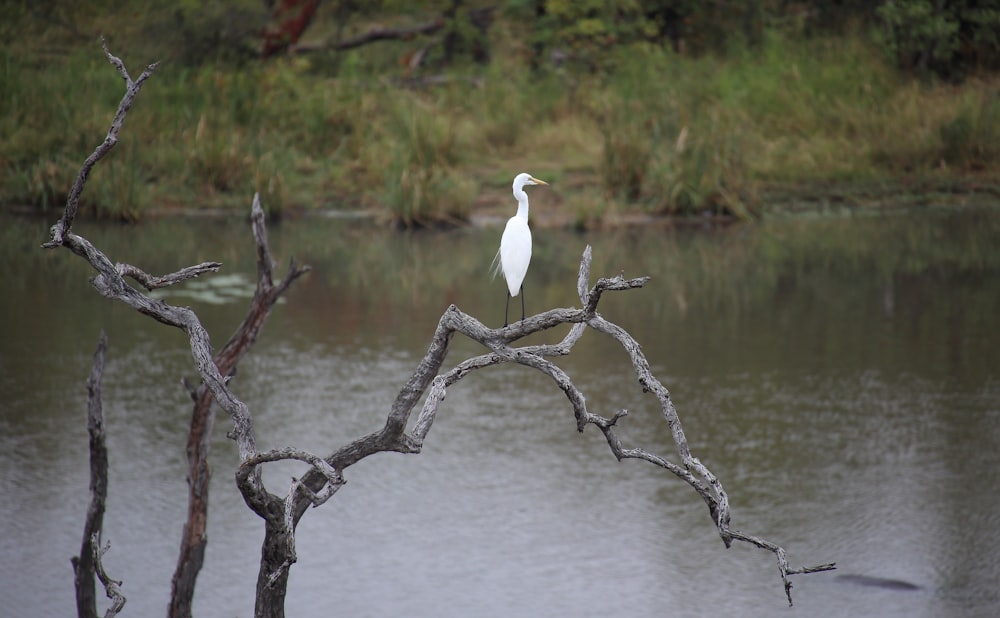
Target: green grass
659, 133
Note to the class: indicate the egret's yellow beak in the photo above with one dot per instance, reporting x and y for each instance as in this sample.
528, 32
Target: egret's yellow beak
538, 182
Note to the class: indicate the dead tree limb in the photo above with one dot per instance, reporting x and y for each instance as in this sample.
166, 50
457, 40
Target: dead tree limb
427, 379
373, 35
480, 18
63, 226
112, 587
152, 282
194, 537
83, 565
110, 282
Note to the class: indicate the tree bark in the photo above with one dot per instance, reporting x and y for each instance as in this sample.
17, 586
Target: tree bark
275, 560
289, 19
83, 565
194, 537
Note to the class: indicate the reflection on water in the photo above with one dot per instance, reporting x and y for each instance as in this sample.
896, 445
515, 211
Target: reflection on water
838, 375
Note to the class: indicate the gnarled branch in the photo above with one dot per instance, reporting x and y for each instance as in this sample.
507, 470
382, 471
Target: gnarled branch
65, 223
428, 380
215, 372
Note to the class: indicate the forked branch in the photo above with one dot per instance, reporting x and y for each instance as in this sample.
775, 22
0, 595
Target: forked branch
429, 380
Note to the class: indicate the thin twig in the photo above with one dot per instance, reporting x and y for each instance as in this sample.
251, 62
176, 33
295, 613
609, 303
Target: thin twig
152, 282
112, 587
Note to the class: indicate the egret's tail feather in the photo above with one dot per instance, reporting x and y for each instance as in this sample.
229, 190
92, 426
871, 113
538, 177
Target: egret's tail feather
496, 267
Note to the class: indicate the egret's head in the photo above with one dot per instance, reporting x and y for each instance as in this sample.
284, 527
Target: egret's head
521, 180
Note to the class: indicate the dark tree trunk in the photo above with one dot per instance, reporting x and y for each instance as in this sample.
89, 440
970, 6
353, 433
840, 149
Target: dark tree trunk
276, 556
194, 537
289, 19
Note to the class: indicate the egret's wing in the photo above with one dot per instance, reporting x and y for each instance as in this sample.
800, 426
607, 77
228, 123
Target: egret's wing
515, 253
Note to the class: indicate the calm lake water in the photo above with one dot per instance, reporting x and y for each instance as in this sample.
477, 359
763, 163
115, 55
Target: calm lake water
841, 375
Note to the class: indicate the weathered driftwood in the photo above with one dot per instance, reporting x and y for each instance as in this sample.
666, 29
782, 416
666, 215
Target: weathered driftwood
281, 513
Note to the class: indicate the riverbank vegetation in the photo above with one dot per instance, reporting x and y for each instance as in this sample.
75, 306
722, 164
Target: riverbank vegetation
622, 112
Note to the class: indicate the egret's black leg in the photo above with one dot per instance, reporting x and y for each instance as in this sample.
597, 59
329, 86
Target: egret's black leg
522, 302
505, 308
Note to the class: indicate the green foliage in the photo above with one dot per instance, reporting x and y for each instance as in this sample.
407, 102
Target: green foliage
118, 188
584, 31
634, 121
945, 38
658, 154
422, 184
972, 138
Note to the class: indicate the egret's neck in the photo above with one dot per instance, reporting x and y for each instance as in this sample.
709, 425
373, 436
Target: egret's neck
522, 203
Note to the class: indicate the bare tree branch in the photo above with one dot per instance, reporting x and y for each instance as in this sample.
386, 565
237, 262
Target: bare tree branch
111, 284
83, 565
112, 587
427, 380
373, 35
63, 226
151, 282
193, 537
215, 372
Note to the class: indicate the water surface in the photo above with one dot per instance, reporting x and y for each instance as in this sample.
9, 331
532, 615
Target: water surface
839, 375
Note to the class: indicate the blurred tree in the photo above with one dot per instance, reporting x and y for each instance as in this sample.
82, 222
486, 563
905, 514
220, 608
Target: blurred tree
947, 38
465, 32
583, 31
289, 19
198, 31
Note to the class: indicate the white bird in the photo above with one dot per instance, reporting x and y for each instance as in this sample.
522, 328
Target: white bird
515, 245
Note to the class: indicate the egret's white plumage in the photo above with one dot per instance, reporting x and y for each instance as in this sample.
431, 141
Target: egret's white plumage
515, 245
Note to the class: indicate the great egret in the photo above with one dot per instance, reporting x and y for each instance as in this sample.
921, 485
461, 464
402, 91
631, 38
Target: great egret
515, 245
